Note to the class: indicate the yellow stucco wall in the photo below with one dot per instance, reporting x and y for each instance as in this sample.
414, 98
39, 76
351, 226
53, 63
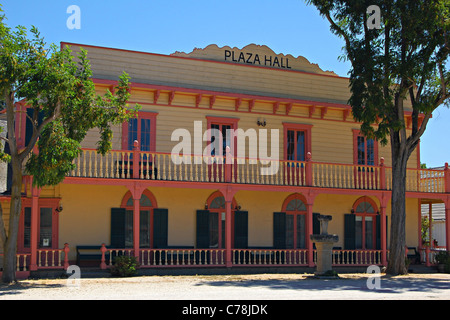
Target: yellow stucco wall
86, 216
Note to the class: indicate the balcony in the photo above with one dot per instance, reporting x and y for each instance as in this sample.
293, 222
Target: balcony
120, 164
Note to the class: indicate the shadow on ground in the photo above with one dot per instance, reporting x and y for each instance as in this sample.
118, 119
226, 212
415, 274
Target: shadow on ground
17, 288
386, 284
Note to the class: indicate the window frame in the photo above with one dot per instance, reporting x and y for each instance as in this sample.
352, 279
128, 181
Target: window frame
141, 115
295, 214
51, 203
150, 209
220, 211
357, 134
221, 121
306, 128
363, 216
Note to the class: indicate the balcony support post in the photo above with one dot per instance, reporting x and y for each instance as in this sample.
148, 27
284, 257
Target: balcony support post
136, 192
228, 194
309, 226
34, 225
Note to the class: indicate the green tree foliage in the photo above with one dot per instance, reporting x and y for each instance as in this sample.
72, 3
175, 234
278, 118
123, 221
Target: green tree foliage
398, 68
58, 85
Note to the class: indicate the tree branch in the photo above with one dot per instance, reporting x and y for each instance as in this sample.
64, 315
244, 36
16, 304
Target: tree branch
342, 33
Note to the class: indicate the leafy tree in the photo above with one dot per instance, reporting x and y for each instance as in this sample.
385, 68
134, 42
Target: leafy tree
398, 67
57, 85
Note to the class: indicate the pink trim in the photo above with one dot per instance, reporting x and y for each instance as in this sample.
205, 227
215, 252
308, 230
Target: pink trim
219, 211
295, 214
146, 192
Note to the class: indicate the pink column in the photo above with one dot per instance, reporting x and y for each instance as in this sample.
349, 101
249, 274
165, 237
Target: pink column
66, 256
34, 227
309, 231
383, 228
228, 253
136, 218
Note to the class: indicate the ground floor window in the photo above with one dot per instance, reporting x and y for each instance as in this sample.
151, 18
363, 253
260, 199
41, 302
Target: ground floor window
153, 223
47, 222
210, 224
362, 226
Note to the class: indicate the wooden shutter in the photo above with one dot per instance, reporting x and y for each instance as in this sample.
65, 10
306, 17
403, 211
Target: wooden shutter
279, 230
118, 227
316, 223
349, 231
378, 235
160, 228
202, 229
241, 229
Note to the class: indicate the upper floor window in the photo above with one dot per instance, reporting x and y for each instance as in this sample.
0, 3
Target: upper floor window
142, 129
297, 141
225, 127
365, 150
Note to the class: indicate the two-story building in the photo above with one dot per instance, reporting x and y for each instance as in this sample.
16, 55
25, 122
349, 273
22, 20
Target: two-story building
232, 155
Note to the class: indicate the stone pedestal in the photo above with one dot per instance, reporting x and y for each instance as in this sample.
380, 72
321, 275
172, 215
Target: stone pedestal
324, 246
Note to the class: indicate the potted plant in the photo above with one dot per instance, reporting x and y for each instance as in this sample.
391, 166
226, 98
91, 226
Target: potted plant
442, 258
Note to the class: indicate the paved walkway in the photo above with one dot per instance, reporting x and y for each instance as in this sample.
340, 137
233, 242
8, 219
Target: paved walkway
256, 287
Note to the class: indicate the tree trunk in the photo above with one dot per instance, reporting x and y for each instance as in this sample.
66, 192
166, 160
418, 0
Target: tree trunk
396, 264
10, 246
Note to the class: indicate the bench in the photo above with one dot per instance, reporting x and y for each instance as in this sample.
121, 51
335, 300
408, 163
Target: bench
90, 253
413, 256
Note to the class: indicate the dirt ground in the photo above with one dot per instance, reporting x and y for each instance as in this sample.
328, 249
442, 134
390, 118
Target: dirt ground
435, 286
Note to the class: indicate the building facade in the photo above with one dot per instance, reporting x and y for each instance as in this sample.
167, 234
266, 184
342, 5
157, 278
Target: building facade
233, 154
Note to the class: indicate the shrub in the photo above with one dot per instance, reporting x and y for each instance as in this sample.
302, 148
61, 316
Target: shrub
442, 257
125, 266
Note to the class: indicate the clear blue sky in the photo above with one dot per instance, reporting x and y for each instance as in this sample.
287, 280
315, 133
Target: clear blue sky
166, 26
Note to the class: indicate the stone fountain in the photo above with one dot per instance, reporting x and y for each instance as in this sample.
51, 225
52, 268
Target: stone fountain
324, 245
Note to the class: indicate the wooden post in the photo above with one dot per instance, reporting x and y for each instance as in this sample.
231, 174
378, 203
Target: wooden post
383, 228
382, 174
136, 218
66, 256
227, 164
309, 228
136, 159
34, 226
308, 171
228, 253
103, 263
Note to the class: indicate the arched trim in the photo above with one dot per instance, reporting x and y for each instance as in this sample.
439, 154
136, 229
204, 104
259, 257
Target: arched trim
292, 200
144, 203
214, 200
365, 205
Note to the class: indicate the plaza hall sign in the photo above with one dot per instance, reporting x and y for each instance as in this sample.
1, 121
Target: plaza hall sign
253, 55
254, 58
